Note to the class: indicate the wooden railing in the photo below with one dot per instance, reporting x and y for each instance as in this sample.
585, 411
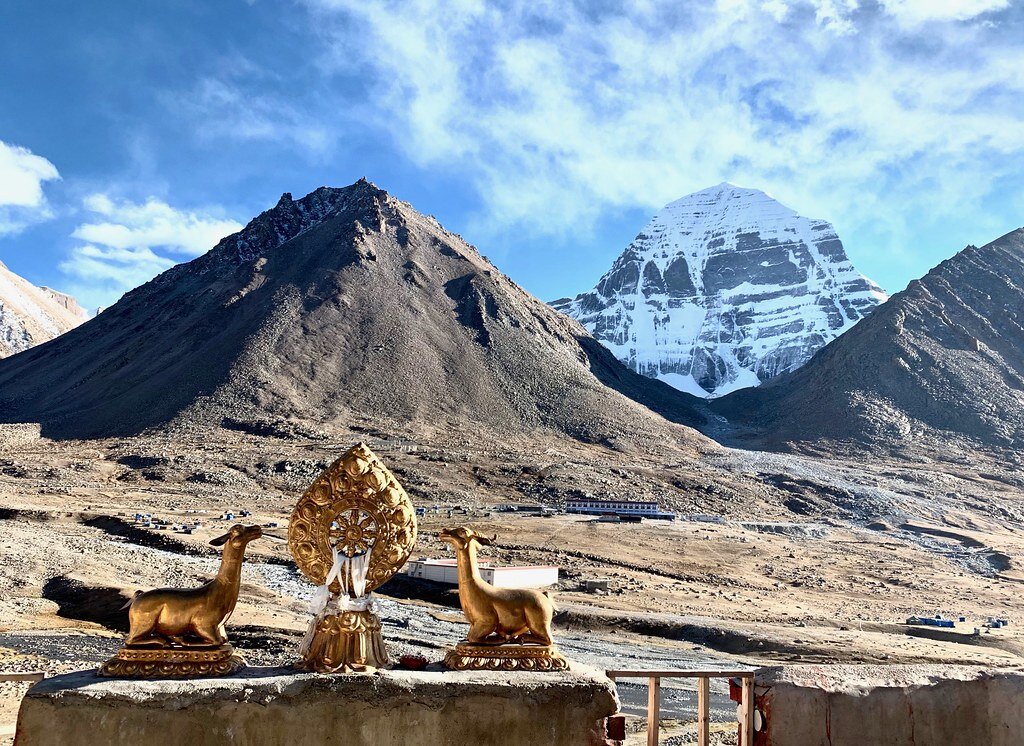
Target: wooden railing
703, 677
32, 676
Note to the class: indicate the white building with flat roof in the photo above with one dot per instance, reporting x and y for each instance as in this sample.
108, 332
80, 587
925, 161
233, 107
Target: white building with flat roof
517, 576
593, 506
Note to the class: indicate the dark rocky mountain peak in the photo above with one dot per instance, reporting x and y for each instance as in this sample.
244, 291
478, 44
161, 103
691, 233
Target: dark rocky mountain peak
342, 306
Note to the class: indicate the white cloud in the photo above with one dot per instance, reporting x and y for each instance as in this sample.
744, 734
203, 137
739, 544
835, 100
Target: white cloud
559, 111
152, 224
122, 269
913, 12
22, 175
128, 243
777, 9
834, 15
221, 107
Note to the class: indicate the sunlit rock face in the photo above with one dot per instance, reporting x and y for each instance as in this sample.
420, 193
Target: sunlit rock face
724, 289
31, 315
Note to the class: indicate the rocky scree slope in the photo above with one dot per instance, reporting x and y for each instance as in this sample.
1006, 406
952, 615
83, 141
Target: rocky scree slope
940, 362
342, 304
724, 289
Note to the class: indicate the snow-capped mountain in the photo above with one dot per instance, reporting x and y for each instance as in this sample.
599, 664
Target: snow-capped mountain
724, 289
31, 315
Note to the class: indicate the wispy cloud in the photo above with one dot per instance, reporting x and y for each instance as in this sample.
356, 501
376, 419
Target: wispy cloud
239, 101
102, 273
913, 12
22, 175
558, 111
153, 223
128, 243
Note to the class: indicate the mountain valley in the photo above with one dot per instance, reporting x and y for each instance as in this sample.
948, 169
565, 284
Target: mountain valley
228, 383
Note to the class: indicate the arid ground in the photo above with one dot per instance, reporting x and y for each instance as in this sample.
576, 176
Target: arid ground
774, 557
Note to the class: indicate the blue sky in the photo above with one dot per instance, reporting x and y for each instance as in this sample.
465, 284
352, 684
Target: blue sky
133, 135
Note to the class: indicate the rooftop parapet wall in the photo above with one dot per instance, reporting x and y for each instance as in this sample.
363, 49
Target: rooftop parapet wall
280, 707
926, 705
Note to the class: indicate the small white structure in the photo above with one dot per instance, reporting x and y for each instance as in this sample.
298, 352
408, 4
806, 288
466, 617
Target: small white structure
447, 571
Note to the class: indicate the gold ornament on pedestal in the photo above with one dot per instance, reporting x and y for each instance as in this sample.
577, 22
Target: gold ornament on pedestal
353, 529
509, 628
179, 633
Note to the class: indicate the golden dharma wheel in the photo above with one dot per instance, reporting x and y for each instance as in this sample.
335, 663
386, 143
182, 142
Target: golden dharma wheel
356, 505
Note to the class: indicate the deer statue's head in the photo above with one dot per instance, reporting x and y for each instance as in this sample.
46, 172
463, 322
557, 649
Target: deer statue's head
239, 536
460, 537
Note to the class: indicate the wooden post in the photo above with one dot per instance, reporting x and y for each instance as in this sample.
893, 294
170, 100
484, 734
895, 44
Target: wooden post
747, 724
703, 676
653, 709
703, 711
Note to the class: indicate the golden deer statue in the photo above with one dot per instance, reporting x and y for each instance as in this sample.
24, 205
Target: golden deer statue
180, 632
508, 627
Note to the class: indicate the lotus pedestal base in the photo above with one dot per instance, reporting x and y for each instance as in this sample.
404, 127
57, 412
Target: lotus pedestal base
468, 656
172, 663
346, 642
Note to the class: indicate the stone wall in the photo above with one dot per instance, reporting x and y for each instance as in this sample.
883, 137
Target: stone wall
280, 707
925, 705
18, 434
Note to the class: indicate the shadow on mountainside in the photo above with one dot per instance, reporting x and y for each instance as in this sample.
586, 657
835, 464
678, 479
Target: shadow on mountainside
672, 404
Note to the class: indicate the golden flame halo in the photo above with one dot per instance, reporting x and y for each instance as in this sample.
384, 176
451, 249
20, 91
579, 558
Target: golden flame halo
355, 505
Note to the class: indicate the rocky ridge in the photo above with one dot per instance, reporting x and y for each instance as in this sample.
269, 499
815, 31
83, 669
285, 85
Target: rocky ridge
31, 315
939, 365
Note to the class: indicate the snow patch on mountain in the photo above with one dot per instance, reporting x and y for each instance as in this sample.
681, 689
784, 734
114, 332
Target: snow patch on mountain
724, 289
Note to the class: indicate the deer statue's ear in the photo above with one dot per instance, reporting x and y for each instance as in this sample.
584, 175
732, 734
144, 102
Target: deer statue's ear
220, 540
484, 540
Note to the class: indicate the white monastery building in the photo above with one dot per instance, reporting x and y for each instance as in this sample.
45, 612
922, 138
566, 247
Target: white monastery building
447, 571
593, 506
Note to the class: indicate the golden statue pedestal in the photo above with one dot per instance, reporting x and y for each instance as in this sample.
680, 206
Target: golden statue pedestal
468, 656
348, 641
148, 662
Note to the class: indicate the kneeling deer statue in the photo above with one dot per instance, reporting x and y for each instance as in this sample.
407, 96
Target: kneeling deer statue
195, 616
496, 615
